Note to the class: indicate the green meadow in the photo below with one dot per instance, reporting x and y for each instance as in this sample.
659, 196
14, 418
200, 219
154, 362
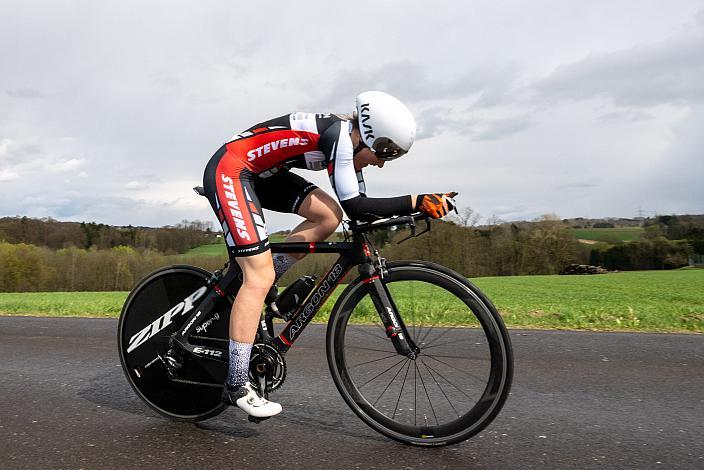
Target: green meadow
609, 235
653, 301
219, 248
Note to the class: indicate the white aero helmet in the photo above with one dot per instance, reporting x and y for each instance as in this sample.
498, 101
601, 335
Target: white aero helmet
386, 125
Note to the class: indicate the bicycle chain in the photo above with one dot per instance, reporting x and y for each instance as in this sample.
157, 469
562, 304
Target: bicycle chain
269, 388
193, 382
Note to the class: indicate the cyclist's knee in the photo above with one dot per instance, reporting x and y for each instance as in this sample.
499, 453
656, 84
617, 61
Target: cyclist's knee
258, 271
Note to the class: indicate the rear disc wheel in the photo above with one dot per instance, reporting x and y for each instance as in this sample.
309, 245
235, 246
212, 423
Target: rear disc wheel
154, 310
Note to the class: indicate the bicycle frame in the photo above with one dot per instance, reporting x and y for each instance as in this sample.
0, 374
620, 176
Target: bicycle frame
355, 253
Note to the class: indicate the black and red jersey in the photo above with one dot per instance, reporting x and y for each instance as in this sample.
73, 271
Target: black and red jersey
301, 140
253, 166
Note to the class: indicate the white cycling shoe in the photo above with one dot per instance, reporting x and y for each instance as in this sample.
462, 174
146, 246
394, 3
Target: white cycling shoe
247, 399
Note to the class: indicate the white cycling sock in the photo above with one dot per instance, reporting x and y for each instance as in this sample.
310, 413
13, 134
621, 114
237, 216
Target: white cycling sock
238, 372
282, 263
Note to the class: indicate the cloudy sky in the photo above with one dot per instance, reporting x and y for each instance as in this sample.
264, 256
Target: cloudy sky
109, 111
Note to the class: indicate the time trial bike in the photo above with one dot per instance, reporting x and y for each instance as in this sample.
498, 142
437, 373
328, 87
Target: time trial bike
415, 349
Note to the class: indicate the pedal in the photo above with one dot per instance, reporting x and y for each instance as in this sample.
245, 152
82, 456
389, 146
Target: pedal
255, 420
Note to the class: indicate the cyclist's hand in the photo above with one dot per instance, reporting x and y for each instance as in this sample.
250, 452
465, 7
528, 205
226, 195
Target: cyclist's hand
435, 205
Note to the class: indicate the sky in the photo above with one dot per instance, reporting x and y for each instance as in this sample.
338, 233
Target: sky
109, 111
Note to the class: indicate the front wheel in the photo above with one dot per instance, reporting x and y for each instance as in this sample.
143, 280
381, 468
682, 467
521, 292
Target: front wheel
460, 379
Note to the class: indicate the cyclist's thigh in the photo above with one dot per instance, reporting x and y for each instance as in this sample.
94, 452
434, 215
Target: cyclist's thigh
319, 206
283, 191
230, 190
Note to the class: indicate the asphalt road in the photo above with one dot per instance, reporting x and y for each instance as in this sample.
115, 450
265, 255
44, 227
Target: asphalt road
579, 400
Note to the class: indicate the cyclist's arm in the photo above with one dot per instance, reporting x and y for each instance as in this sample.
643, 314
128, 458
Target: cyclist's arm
360, 207
348, 184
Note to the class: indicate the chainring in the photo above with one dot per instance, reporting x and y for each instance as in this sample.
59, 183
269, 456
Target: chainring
267, 359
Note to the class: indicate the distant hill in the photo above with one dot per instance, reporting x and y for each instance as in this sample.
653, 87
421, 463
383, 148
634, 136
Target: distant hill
201, 238
53, 234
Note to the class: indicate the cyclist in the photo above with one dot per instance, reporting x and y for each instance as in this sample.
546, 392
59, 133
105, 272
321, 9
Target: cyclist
251, 172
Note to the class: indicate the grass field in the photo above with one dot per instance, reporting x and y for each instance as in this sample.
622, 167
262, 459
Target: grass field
62, 304
635, 301
219, 249
213, 249
609, 235
641, 300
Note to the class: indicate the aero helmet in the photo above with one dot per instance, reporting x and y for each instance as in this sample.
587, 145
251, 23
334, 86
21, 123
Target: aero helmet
386, 125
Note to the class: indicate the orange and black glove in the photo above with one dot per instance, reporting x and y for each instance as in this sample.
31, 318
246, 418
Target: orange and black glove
435, 205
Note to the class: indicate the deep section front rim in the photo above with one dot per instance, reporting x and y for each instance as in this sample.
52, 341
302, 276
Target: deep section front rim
459, 381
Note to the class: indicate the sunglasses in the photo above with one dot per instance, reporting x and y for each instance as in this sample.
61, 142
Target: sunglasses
384, 149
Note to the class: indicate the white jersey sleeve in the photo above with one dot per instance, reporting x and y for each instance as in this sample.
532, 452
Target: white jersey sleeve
346, 182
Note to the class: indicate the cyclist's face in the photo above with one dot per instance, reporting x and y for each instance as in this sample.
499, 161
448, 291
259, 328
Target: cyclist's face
366, 157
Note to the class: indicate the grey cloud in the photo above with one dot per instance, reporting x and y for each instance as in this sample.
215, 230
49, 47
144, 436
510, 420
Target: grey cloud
112, 209
676, 176
25, 93
509, 212
579, 184
495, 130
434, 121
151, 106
8, 175
626, 115
16, 156
484, 87
403, 79
14, 153
166, 83
45, 164
671, 71
415, 84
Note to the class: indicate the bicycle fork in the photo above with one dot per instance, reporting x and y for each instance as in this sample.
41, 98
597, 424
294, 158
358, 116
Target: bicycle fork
394, 326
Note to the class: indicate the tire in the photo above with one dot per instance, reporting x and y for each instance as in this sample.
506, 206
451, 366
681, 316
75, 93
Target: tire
155, 309
462, 375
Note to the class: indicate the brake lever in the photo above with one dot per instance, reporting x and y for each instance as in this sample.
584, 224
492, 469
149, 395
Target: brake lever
427, 226
412, 226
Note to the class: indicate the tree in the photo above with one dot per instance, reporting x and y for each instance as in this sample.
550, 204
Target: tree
466, 217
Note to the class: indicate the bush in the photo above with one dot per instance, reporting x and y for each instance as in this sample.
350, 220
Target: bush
26, 267
659, 253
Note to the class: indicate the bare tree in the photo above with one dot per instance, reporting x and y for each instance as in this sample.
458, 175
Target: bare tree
466, 217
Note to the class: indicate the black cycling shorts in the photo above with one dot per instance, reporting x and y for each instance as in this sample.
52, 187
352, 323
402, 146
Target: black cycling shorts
283, 191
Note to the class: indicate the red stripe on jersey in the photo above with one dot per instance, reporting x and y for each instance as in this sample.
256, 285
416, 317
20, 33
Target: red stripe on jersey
259, 129
261, 152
